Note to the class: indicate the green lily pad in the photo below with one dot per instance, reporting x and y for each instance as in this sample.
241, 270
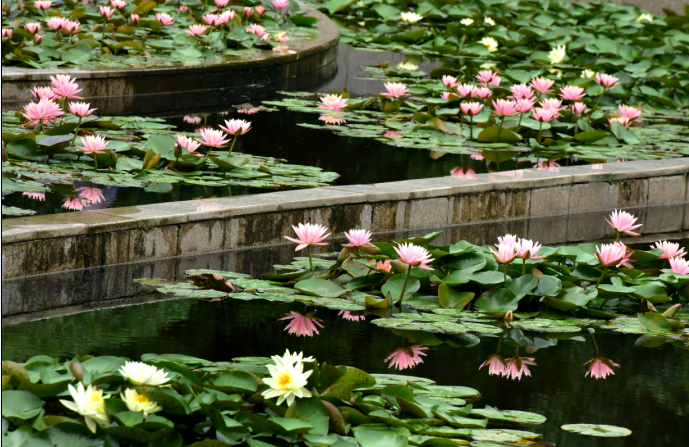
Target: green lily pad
606, 431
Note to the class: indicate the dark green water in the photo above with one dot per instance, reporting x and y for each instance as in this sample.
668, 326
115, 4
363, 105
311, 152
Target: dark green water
649, 394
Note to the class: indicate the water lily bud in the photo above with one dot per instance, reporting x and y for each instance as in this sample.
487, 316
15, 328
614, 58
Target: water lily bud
672, 311
77, 370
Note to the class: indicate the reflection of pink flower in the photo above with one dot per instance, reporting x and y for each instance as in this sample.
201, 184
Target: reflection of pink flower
333, 102
329, 119
547, 164
462, 172
302, 324
91, 194
478, 157
192, 119
679, 266
407, 357
395, 89
518, 366
542, 85
414, 255
309, 234
600, 367
392, 134
65, 87
72, 203
250, 111
35, 195
670, 249
496, 365
347, 315
357, 238
384, 265
623, 222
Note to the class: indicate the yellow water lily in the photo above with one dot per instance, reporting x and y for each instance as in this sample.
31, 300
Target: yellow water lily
645, 16
142, 374
588, 73
489, 21
139, 402
288, 379
491, 43
89, 403
406, 65
557, 54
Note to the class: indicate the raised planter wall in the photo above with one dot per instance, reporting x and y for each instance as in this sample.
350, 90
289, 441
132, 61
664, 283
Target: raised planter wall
654, 6
165, 89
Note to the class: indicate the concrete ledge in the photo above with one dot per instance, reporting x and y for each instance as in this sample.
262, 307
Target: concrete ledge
654, 6
184, 86
45, 244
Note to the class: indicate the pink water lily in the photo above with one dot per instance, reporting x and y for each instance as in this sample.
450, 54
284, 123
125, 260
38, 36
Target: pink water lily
221, 3
65, 87
164, 18
71, 26
211, 19
182, 9
487, 77
547, 164
623, 222
281, 37
527, 249
93, 144
679, 265
347, 315
248, 11
135, 19
357, 238
256, 29
91, 194
606, 80
471, 108
628, 113
32, 27
280, 4
542, 85
577, 108
496, 365
212, 137
521, 91
600, 367
508, 239
447, 96
6, 34
413, 255
106, 12
524, 105
55, 23
45, 111
72, 203
334, 102
517, 366
407, 357
42, 5
228, 15
188, 143
80, 109
465, 90
505, 253
612, 254
384, 265
309, 235
462, 172
670, 249
119, 4
543, 115
196, 30
572, 93
504, 107
35, 195
392, 134
551, 103
450, 82
302, 324
260, 10
236, 127
42, 93
482, 92
395, 89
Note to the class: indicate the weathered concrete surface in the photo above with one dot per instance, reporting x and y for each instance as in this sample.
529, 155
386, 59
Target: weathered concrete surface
184, 86
654, 6
45, 244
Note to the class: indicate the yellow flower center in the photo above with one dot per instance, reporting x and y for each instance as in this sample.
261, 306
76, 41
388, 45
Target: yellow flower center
141, 399
95, 398
284, 379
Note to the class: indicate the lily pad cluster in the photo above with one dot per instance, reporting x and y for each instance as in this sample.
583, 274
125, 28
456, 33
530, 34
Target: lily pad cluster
45, 34
178, 400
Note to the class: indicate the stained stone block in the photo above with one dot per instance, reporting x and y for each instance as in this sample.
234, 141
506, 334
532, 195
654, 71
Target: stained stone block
493, 205
586, 227
551, 230
589, 197
667, 190
384, 216
201, 237
626, 193
664, 219
428, 213
549, 201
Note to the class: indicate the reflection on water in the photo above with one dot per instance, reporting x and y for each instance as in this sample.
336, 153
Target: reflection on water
648, 395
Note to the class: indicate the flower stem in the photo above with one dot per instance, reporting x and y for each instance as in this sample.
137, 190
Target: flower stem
540, 131
617, 238
596, 105
523, 266
595, 343
504, 272
310, 260
497, 137
404, 287
471, 127
602, 275
519, 126
95, 159
232, 147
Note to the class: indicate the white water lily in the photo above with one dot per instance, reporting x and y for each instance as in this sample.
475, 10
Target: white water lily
410, 17
406, 65
489, 21
139, 402
557, 54
645, 16
290, 359
89, 403
288, 381
466, 22
588, 73
491, 43
142, 374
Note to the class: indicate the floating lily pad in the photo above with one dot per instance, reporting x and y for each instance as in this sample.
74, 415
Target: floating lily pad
606, 431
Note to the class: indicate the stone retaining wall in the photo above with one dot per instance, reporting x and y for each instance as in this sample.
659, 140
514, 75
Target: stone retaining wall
562, 201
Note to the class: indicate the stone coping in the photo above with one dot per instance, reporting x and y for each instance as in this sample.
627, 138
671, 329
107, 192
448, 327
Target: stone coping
654, 6
81, 223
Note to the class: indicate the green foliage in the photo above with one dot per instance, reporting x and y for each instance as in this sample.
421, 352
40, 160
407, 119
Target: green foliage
225, 405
